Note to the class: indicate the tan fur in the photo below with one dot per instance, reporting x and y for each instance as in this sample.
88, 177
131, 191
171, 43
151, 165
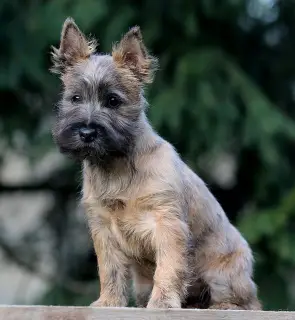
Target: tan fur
131, 54
151, 217
166, 207
73, 48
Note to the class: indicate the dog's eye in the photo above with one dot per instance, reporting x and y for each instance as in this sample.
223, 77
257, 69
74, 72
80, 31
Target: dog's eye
113, 102
76, 98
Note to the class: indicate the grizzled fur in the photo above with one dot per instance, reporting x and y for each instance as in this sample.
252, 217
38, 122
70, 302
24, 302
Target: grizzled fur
151, 217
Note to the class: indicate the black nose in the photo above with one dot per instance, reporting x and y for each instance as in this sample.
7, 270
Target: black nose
87, 134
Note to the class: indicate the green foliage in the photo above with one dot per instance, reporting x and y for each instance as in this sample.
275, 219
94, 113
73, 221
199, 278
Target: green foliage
225, 84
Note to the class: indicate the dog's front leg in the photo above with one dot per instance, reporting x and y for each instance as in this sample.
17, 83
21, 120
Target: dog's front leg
171, 274
113, 272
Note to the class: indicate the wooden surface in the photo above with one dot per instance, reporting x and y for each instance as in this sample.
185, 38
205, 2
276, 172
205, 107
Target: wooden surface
82, 313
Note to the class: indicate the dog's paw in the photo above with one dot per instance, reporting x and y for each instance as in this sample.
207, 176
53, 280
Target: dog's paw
226, 306
163, 304
101, 303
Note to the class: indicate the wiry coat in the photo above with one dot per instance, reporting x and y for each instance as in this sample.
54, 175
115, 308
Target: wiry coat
150, 216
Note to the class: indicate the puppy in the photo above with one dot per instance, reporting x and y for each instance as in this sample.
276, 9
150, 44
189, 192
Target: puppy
151, 217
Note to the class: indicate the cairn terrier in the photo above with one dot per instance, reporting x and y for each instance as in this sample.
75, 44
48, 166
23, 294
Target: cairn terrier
151, 217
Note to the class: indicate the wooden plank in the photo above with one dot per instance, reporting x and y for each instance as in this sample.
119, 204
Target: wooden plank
88, 313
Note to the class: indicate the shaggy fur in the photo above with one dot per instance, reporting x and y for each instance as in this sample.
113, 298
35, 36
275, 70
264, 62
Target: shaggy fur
150, 216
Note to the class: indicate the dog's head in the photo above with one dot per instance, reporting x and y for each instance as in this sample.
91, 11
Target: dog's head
102, 102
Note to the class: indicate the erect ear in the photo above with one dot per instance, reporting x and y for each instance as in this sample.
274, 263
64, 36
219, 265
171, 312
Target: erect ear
74, 47
131, 53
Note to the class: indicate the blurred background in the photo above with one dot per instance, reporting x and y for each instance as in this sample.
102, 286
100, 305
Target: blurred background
224, 96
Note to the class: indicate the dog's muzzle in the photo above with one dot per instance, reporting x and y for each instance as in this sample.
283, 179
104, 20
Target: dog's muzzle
87, 134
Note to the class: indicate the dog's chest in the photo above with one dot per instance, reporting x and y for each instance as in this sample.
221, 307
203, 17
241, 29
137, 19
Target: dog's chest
131, 230
122, 208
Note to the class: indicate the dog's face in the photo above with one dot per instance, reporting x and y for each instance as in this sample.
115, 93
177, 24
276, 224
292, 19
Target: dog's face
100, 110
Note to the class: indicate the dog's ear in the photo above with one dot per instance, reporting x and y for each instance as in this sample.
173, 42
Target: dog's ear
131, 53
74, 47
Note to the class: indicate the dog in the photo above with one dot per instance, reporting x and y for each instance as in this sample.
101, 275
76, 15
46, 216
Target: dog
150, 216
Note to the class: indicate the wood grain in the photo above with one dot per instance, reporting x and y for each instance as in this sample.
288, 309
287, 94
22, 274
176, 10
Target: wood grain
87, 313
